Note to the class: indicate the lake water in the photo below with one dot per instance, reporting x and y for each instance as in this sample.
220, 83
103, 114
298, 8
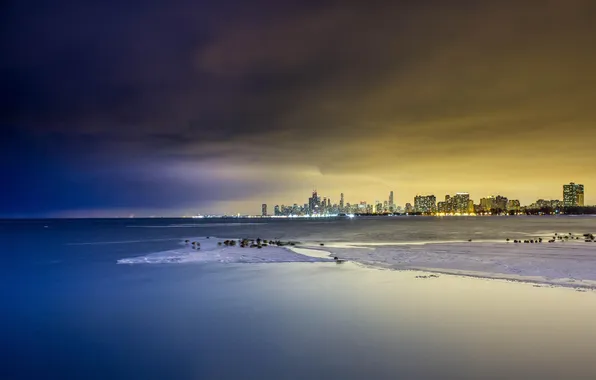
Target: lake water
69, 311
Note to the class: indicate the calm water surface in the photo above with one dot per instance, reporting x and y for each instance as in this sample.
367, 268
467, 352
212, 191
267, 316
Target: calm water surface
68, 311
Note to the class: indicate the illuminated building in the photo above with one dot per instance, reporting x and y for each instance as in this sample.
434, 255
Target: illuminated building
461, 203
409, 209
276, 211
426, 204
341, 202
314, 203
573, 195
264, 209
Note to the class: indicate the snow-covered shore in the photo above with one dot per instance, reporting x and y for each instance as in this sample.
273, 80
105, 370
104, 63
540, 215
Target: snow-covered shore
568, 263
562, 263
211, 251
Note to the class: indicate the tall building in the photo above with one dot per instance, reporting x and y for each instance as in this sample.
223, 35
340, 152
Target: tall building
264, 209
391, 204
425, 204
276, 210
409, 208
461, 203
341, 202
314, 203
573, 195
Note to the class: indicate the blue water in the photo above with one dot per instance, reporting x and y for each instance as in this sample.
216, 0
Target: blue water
69, 312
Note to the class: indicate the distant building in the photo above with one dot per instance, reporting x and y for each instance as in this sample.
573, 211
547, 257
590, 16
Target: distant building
487, 204
264, 209
461, 203
409, 209
573, 195
391, 204
501, 203
379, 209
493, 203
426, 204
314, 203
276, 210
341, 202
513, 205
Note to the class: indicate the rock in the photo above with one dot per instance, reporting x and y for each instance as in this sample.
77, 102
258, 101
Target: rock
507, 239
321, 244
469, 240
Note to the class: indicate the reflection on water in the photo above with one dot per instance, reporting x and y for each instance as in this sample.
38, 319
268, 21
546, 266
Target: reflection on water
301, 321
69, 311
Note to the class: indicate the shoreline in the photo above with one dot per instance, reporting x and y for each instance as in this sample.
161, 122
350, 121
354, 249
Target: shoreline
349, 252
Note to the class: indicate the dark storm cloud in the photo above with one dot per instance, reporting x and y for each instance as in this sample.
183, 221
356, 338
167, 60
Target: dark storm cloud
392, 90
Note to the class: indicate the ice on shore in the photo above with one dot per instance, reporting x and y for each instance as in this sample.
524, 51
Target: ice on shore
210, 251
561, 263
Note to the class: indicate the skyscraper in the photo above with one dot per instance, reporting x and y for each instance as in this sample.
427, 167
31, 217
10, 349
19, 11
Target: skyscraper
573, 195
391, 204
264, 209
341, 202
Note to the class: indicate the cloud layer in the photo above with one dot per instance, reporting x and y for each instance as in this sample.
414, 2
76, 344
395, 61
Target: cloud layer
263, 103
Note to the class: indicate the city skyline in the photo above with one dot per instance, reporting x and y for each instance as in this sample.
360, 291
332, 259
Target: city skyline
572, 194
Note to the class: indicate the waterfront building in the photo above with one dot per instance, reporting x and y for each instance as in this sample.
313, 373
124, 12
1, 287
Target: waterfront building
573, 195
461, 203
264, 209
426, 204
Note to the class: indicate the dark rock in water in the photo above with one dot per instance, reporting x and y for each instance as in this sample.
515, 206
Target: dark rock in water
588, 241
292, 243
551, 241
469, 239
526, 241
321, 244
186, 241
259, 246
507, 239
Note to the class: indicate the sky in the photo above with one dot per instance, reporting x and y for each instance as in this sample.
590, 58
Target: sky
113, 108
